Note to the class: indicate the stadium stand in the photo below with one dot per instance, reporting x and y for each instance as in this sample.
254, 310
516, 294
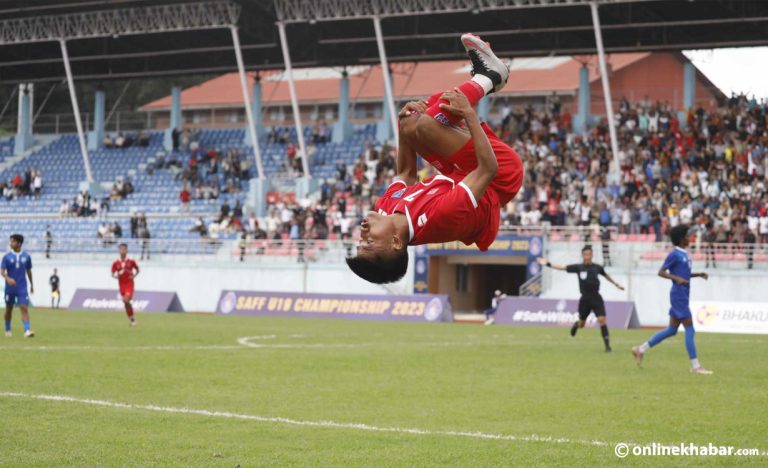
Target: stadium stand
6, 147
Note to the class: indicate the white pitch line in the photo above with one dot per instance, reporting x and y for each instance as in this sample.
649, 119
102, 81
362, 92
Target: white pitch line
246, 341
321, 424
305, 423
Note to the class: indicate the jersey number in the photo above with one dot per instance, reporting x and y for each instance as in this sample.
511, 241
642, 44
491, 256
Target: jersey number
412, 196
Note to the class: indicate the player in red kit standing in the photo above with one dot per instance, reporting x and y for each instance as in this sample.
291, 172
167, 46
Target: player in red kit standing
479, 174
125, 269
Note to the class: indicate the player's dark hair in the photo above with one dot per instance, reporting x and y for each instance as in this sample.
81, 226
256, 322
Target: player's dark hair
122, 244
18, 238
678, 233
586, 247
380, 270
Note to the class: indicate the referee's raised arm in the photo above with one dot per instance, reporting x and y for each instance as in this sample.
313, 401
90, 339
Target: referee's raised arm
544, 262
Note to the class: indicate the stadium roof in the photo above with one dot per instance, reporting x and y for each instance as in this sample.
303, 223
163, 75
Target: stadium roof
528, 76
117, 39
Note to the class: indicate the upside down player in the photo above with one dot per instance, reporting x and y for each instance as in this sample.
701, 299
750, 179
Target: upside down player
479, 174
125, 270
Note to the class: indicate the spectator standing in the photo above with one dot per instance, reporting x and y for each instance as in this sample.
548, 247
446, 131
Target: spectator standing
185, 196
37, 183
48, 241
143, 233
749, 244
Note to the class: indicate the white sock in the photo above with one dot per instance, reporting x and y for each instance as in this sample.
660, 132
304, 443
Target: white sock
484, 82
643, 348
695, 363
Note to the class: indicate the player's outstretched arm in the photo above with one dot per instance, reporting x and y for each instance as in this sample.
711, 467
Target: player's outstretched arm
544, 262
700, 275
487, 166
406, 155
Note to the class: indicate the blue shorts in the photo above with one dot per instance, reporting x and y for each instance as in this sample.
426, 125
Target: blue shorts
680, 313
16, 298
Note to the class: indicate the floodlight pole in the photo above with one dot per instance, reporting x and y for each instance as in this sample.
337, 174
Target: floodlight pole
606, 88
294, 100
390, 97
76, 110
247, 101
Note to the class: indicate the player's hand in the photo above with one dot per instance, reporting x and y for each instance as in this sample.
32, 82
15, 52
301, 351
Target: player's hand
413, 107
10, 281
458, 104
541, 261
31, 289
704, 275
680, 281
621, 288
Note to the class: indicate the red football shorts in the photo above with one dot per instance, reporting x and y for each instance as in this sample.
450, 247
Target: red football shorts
126, 290
509, 178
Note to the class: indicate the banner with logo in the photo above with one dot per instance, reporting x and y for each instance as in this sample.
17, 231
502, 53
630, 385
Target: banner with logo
109, 299
730, 317
533, 311
419, 308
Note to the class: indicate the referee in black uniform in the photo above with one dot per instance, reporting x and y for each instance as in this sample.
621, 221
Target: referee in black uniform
589, 286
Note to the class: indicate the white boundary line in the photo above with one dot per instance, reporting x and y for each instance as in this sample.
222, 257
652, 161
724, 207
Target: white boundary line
305, 423
321, 424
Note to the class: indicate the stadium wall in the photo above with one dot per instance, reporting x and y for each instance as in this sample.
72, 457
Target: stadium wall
199, 283
651, 293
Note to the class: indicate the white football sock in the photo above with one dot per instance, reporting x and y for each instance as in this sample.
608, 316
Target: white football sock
643, 348
695, 363
484, 82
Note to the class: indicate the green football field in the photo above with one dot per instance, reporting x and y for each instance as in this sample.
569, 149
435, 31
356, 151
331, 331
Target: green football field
200, 390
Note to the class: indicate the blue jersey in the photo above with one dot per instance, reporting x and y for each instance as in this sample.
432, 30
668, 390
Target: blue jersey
679, 263
16, 266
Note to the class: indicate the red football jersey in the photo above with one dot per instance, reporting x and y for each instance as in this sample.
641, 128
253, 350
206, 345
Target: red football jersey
125, 269
442, 210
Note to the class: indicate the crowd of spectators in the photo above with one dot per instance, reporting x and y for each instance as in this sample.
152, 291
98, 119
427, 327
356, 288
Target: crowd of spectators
122, 141
22, 184
708, 172
121, 188
84, 205
206, 173
705, 167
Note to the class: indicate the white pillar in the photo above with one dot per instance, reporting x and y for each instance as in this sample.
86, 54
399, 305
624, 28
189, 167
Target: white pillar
606, 88
390, 97
294, 100
76, 110
247, 102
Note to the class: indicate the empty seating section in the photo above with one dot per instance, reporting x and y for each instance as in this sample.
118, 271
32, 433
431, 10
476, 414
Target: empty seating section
61, 165
6, 147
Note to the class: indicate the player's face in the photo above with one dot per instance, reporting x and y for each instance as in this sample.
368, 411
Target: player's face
587, 256
376, 233
14, 244
123, 251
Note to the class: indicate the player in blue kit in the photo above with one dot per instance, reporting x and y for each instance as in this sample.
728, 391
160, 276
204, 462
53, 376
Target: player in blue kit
677, 268
16, 267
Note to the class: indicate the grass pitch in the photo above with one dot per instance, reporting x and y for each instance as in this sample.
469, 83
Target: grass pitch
198, 390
